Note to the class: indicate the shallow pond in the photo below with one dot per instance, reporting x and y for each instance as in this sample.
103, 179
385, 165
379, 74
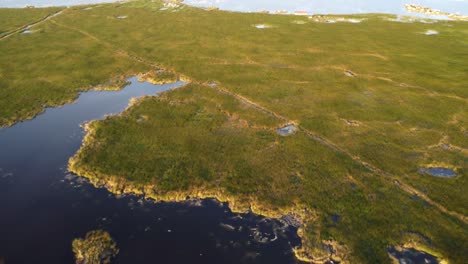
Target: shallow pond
43, 207
439, 172
431, 32
287, 130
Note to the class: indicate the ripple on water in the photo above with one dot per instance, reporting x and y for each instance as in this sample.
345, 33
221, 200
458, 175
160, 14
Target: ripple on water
5, 174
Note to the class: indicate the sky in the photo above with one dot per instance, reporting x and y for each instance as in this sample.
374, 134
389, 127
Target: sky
311, 6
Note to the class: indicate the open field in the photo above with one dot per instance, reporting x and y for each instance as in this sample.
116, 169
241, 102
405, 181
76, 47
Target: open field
13, 19
375, 101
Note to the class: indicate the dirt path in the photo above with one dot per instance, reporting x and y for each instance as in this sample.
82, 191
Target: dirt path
31, 25
109, 45
389, 177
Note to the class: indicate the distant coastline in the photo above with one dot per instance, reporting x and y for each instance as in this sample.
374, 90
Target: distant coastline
433, 12
452, 10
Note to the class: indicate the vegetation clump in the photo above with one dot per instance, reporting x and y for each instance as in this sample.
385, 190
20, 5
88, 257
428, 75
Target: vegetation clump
96, 248
114, 84
159, 76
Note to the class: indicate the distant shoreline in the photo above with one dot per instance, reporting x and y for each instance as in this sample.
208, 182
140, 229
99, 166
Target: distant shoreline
396, 9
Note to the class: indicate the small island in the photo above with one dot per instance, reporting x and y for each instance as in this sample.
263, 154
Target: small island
96, 248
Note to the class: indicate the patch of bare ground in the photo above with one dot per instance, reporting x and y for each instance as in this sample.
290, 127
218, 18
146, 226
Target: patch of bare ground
314, 50
352, 122
374, 55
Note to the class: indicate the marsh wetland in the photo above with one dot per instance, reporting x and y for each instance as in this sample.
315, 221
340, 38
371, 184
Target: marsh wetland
273, 138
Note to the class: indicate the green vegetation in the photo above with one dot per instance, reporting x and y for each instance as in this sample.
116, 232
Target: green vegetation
96, 248
12, 19
195, 139
362, 138
50, 66
159, 76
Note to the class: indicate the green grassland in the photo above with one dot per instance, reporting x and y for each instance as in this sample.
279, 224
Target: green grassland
50, 66
361, 142
12, 18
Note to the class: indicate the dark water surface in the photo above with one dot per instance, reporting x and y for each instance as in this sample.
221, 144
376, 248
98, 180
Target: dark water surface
43, 207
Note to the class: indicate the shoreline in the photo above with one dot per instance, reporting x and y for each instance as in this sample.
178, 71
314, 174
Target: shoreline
121, 186
235, 204
114, 83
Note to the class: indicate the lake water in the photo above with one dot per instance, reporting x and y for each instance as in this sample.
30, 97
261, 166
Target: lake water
43, 207
311, 6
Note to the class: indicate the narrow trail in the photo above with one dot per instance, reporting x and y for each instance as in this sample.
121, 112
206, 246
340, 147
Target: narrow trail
109, 45
427, 92
49, 16
388, 176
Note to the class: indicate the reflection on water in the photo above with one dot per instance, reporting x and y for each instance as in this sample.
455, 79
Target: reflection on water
43, 207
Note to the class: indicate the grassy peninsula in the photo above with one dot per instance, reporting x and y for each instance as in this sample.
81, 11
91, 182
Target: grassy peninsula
374, 102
